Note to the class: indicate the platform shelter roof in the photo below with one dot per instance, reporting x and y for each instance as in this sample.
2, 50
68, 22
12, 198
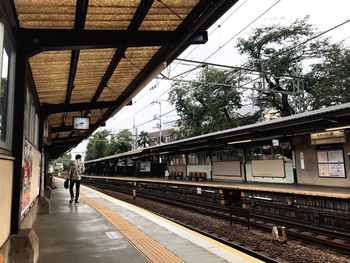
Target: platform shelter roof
331, 118
90, 57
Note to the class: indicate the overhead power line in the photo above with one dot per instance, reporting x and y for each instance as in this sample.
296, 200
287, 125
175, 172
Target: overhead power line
219, 26
291, 48
224, 21
307, 40
267, 10
316, 36
155, 118
243, 29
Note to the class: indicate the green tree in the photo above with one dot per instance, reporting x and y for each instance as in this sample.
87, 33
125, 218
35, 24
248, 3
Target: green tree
113, 146
98, 145
328, 82
278, 49
65, 159
103, 143
143, 139
206, 104
121, 142
124, 138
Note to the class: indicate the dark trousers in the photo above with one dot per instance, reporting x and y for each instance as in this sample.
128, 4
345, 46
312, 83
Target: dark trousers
77, 188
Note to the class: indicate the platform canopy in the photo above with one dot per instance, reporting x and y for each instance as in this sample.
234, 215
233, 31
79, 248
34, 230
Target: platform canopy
90, 57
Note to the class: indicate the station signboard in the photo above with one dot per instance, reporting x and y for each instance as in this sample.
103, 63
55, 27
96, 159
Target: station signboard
327, 137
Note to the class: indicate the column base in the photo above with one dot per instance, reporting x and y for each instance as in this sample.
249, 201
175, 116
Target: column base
5, 251
44, 206
25, 247
48, 192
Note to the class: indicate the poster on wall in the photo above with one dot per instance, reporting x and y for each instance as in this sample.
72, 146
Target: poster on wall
27, 175
145, 166
331, 163
322, 156
336, 170
323, 169
302, 163
335, 156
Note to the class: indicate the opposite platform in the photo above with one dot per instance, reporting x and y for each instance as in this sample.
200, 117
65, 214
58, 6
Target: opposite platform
104, 229
311, 190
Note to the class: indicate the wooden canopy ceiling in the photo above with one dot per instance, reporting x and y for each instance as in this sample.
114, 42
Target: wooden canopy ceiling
90, 57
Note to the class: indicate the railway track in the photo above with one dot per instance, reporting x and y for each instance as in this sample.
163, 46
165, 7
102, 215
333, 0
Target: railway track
225, 241
309, 234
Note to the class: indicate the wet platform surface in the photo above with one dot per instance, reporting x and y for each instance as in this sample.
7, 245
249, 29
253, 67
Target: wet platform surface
95, 230
77, 233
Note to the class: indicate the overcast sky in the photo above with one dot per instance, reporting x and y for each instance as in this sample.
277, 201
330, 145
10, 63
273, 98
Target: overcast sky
324, 14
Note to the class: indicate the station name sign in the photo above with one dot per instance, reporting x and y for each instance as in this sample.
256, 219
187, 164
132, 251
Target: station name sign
327, 137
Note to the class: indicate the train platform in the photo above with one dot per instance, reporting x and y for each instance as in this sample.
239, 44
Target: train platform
104, 229
297, 189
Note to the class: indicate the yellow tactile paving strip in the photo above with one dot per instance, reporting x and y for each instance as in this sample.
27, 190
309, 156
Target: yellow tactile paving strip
152, 250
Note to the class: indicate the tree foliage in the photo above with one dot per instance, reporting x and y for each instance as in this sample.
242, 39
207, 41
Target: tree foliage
208, 103
328, 82
121, 142
97, 145
143, 139
278, 49
65, 159
211, 101
104, 143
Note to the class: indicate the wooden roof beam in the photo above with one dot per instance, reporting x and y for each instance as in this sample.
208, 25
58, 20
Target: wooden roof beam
204, 11
80, 14
66, 140
135, 23
39, 40
69, 128
48, 109
79, 23
203, 15
9, 8
72, 72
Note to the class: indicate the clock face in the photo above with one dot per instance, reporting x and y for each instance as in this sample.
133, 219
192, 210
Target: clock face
81, 123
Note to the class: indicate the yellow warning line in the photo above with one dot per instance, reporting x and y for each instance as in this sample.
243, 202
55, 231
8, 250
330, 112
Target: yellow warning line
212, 241
146, 245
208, 239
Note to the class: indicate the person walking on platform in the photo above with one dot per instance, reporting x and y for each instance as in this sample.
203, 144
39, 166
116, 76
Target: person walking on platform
76, 169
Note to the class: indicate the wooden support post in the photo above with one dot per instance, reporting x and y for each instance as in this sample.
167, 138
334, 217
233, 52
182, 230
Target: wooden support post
284, 234
275, 235
248, 219
134, 191
17, 139
243, 197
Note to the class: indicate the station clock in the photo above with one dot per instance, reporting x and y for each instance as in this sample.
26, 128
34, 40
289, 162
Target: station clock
81, 123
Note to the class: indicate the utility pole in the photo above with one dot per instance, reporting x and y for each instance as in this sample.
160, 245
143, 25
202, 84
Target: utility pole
136, 138
160, 122
134, 133
160, 119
